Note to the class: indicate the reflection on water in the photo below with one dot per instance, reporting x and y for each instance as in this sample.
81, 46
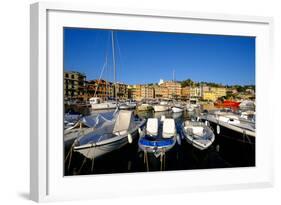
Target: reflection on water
223, 153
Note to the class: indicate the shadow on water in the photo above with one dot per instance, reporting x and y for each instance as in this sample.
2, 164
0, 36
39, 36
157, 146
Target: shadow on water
223, 153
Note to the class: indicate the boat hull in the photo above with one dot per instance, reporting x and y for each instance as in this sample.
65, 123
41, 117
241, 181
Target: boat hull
160, 108
177, 109
127, 107
227, 103
98, 151
144, 108
231, 132
199, 142
154, 147
92, 151
103, 106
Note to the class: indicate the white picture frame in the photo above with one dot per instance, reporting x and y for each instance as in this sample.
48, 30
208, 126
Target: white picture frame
47, 182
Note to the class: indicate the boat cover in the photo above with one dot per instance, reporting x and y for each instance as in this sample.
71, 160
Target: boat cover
152, 126
106, 129
169, 128
90, 121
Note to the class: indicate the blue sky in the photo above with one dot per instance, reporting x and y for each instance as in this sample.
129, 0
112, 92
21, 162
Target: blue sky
145, 57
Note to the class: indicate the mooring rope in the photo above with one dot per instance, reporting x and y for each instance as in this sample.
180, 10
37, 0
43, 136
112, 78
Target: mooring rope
84, 161
93, 159
147, 166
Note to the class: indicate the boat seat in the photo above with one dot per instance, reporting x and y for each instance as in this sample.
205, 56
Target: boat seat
197, 130
152, 126
169, 128
162, 118
187, 123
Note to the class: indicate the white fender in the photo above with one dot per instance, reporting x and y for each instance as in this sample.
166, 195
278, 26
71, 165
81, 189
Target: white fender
218, 129
141, 132
218, 148
130, 138
207, 123
178, 139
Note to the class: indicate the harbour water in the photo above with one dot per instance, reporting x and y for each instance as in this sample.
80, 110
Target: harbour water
223, 153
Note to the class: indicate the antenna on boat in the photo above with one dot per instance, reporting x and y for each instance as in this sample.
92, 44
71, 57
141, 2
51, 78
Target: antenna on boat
114, 65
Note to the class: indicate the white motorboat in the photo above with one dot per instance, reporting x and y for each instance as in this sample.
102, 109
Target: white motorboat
198, 134
127, 105
164, 103
231, 125
248, 115
131, 104
177, 109
112, 135
124, 106
98, 104
156, 142
84, 126
160, 108
189, 108
247, 104
144, 107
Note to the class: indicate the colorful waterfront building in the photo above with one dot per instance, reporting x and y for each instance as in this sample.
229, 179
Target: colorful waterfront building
185, 93
219, 91
161, 92
174, 89
213, 93
209, 95
147, 92
195, 92
74, 85
121, 91
134, 92
99, 88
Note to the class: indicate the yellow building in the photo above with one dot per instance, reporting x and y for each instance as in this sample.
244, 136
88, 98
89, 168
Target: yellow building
213, 93
185, 93
209, 95
195, 92
219, 91
134, 92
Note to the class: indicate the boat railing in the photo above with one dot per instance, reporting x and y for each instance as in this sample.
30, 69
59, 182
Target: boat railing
234, 117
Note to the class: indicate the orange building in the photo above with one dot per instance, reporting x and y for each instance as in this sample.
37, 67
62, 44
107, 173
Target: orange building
174, 89
99, 88
161, 92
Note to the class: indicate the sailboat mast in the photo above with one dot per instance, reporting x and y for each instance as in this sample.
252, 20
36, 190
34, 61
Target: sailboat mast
173, 84
106, 93
114, 65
